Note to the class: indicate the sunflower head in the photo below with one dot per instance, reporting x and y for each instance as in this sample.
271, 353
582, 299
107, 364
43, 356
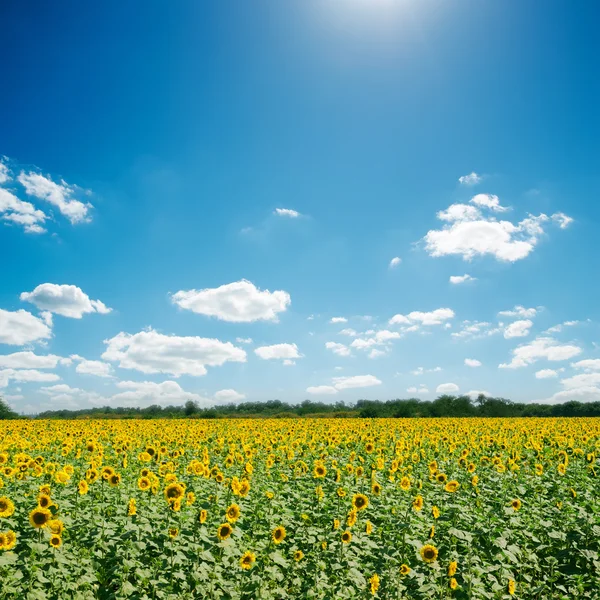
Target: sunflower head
429, 553
7, 508
298, 555
404, 569
453, 583
278, 534
516, 504
39, 517
346, 537
173, 532
10, 540
224, 531
247, 560
452, 486
452, 567
233, 513
360, 501
374, 584
55, 541
202, 516
511, 587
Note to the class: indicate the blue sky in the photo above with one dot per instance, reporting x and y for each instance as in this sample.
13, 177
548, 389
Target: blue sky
146, 153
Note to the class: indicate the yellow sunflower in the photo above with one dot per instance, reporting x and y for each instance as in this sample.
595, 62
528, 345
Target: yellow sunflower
360, 501
278, 534
7, 508
429, 553
247, 560
233, 513
224, 531
39, 517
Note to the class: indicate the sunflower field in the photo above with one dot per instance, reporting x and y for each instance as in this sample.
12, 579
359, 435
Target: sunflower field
300, 508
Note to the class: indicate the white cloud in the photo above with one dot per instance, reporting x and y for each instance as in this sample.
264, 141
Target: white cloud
286, 212
138, 393
519, 311
241, 340
470, 179
561, 326
589, 364
518, 329
153, 352
339, 349
29, 360
472, 362
348, 332
4, 175
379, 338
228, 395
456, 279
21, 327
582, 394
237, 302
420, 390
468, 233
94, 367
321, 390
395, 262
541, 348
435, 317
25, 376
581, 380
65, 300
376, 353
288, 362
22, 213
546, 374
58, 194
338, 320
488, 201
563, 220
358, 381
446, 388
422, 370
278, 351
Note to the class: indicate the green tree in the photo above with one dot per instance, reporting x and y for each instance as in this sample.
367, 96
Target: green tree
5, 411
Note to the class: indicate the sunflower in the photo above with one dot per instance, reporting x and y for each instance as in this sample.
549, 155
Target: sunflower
56, 526
7, 508
39, 517
319, 471
2, 541
10, 540
429, 553
432, 532
202, 516
404, 569
441, 477
453, 583
341, 492
82, 487
346, 537
233, 513
244, 488
516, 504
55, 541
374, 584
360, 501
369, 448
369, 528
278, 534
131, 507
352, 516
298, 555
190, 498
336, 524
405, 484
247, 560
143, 483
224, 531
173, 532
474, 480
418, 503
452, 567
435, 511
174, 491
562, 469
114, 479
511, 587
452, 486
376, 488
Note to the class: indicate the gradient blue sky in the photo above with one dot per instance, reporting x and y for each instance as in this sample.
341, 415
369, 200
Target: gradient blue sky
146, 150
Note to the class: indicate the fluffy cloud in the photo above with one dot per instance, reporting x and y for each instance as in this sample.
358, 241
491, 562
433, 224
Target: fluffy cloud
30, 360
546, 374
21, 327
469, 233
541, 348
339, 349
238, 302
476, 329
25, 376
321, 390
286, 212
358, 381
278, 351
92, 367
240, 340
488, 201
422, 370
519, 311
456, 279
228, 396
472, 362
518, 329
562, 220
446, 388
65, 300
348, 332
435, 317
420, 390
138, 393
589, 364
470, 179
4, 175
338, 320
22, 213
561, 326
60, 195
152, 352
395, 262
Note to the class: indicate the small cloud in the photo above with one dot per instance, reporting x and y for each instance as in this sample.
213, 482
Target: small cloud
286, 212
472, 362
446, 388
395, 262
562, 220
321, 390
456, 279
546, 374
488, 201
338, 320
518, 329
470, 179
241, 340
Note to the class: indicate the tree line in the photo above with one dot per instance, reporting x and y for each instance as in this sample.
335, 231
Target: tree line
443, 406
